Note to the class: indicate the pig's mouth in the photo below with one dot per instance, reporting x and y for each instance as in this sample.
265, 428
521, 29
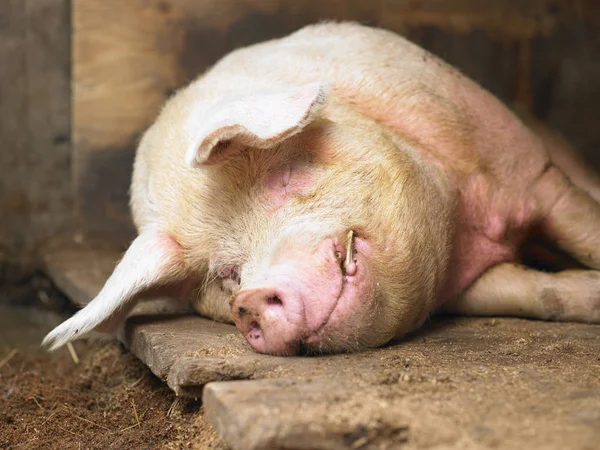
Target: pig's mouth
348, 267
299, 307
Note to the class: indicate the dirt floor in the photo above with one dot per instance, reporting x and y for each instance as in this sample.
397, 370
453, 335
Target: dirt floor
461, 383
108, 400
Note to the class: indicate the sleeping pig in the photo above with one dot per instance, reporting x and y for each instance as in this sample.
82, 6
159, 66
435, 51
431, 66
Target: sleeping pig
330, 190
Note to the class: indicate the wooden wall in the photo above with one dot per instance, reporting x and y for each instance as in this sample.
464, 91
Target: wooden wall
35, 182
129, 56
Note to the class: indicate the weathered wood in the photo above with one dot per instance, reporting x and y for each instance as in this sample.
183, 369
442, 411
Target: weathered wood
162, 340
13, 115
35, 194
313, 414
446, 393
378, 398
47, 55
79, 269
188, 375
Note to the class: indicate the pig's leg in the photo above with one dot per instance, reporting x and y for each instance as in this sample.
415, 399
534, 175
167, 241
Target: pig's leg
566, 158
512, 290
573, 222
569, 217
540, 250
578, 171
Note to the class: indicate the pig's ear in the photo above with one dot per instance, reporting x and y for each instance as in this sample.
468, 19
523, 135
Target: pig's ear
153, 260
260, 120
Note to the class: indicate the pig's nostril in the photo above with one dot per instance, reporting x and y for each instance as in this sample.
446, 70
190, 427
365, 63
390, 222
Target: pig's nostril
255, 331
274, 300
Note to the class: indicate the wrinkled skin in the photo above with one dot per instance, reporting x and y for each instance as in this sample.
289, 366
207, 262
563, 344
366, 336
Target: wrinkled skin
328, 191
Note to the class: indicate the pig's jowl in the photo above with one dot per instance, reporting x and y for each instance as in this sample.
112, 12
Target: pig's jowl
329, 190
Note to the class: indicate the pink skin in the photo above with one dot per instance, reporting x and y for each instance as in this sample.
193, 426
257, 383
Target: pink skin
489, 233
289, 179
301, 298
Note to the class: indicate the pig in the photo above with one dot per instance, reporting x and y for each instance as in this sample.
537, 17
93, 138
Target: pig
328, 191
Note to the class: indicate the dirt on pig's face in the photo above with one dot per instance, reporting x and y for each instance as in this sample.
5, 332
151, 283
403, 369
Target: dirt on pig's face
329, 242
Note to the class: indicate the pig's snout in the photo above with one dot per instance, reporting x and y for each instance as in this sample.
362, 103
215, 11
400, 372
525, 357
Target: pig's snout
304, 297
271, 319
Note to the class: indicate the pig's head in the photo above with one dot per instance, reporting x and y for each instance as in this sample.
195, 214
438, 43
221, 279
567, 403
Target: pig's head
310, 226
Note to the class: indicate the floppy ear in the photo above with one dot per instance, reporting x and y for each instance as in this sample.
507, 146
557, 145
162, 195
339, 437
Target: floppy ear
153, 260
259, 120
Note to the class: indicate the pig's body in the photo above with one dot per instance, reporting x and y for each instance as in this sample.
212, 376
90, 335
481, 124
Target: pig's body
424, 103
438, 180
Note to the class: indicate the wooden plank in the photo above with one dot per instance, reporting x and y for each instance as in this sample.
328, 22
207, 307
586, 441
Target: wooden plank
35, 190
463, 402
13, 124
188, 375
79, 268
47, 50
436, 388
161, 340
313, 414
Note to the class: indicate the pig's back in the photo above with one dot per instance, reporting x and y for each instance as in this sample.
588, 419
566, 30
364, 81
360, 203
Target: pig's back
391, 80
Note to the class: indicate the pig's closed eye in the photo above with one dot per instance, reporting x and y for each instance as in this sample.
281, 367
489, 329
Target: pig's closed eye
229, 271
235, 275
230, 277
